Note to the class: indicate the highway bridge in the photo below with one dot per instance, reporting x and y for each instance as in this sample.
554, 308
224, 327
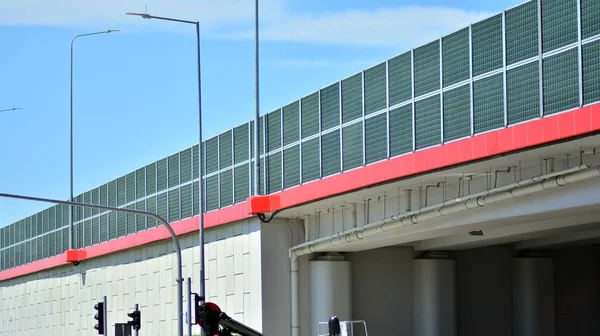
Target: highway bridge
450, 190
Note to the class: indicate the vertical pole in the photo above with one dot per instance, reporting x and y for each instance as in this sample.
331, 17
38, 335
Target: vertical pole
412, 84
541, 59
579, 54
257, 112
105, 316
504, 76
471, 99
364, 123
387, 108
189, 305
341, 130
300, 141
200, 182
137, 332
441, 47
71, 156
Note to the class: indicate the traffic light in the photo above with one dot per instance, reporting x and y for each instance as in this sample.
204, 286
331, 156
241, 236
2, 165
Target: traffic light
99, 317
136, 319
198, 307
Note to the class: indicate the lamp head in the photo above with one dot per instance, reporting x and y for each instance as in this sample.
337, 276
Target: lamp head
142, 15
113, 30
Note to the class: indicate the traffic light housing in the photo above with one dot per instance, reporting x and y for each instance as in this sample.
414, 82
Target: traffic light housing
136, 319
198, 307
99, 317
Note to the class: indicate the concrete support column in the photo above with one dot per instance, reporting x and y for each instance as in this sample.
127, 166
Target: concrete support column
434, 295
330, 290
533, 296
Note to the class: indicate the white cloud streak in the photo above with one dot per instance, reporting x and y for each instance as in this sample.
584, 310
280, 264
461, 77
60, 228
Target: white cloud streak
318, 63
389, 27
377, 27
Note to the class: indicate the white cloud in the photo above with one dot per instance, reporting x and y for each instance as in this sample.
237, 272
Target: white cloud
391, 26
402, 26
318, 63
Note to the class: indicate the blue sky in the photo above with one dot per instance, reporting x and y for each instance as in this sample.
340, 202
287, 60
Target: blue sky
135, 95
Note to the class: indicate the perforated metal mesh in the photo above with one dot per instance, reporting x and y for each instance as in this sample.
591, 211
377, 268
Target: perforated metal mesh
523, 93
291, 167
457, 113
427, 122
561, 85
591, 72
455, 57
376, 138
273, 131
590, 24
291, 123
488, 103
330, 153
401, 130
242, 188
487, 45
427, 68
330, 107
186, 201
274, 173
161, 178
400, 78
352, 146
310, 160
226, 188
375, 88
352, 98
559, 23
522, 32
240, 143
225, 149
310, 115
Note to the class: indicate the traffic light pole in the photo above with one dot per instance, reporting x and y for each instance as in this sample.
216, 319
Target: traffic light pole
137, 331
105, 316
189, 305
134, 212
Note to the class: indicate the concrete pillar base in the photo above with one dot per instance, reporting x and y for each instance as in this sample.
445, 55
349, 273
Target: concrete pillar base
330, 290
533, 295
434, 295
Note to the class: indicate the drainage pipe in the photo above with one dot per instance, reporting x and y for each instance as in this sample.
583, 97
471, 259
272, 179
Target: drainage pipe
354, 216
294, 296
306, 228
408, 200
521, 188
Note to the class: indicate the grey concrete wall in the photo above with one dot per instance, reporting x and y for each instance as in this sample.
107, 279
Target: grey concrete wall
484, 291
60, 301
382, 287
382, 290
276, 279
577, 291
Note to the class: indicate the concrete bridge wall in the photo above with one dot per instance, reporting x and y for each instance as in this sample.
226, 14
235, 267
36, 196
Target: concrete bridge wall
244, 277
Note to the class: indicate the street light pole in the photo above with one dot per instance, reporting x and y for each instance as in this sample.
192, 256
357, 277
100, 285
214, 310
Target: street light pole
11, 109
257, 107
71, 133
200, 153
164, 222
